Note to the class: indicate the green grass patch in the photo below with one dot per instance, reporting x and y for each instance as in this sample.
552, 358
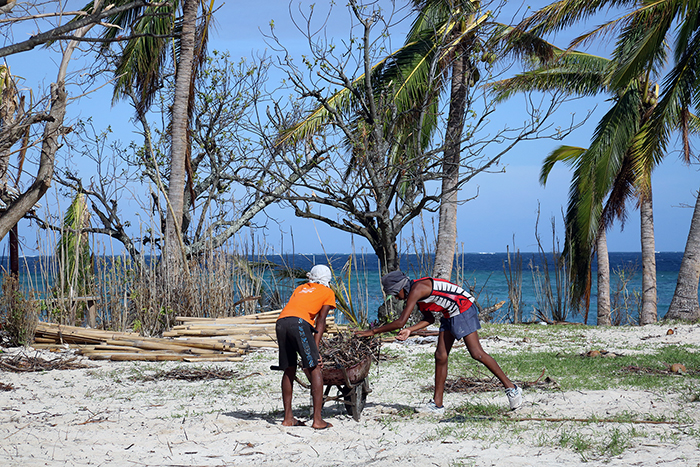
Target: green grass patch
480, 411
599, 445
573, 371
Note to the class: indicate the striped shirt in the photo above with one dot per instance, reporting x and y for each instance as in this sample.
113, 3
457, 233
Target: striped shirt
446, 298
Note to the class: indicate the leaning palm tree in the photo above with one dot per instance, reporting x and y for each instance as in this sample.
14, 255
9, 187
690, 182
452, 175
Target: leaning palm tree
684, 304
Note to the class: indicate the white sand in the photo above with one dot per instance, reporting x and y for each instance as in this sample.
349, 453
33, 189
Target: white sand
100, 416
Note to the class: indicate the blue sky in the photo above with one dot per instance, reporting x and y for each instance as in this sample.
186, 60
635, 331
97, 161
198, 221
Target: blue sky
507, 204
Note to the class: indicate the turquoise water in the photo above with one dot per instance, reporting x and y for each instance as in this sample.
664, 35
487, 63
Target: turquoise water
482, 272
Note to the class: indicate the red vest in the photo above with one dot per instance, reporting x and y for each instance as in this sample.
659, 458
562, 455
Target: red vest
446, 298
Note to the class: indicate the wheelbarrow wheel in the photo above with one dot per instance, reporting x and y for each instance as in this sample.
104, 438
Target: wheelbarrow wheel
355, 399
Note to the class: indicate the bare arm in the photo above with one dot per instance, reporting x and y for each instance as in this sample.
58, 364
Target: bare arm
427, 320
419, 291
321, 323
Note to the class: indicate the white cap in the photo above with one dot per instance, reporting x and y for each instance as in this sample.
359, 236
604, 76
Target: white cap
320, 274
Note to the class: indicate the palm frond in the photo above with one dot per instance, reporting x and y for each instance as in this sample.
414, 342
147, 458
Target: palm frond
569, 155
640, 49
522, 44
613, 136
680, 90
575, 73
563, 14
143, 59
623, 188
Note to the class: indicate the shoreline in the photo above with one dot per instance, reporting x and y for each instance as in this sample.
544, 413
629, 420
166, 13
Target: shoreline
112, 414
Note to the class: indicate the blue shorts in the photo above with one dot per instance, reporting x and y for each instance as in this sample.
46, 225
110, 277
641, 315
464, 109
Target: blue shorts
461, 325
296, 336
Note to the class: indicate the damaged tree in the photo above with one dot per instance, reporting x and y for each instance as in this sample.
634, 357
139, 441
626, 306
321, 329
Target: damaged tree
377, 121
16, 128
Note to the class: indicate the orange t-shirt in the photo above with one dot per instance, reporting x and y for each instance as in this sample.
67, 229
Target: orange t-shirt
307, 300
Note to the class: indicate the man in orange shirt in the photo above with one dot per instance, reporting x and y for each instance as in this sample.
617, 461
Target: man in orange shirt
299, 329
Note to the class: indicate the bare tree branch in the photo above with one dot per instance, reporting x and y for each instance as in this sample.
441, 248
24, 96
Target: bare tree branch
60, 31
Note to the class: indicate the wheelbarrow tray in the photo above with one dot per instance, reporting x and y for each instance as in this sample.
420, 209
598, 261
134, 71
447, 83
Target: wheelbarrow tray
348, 376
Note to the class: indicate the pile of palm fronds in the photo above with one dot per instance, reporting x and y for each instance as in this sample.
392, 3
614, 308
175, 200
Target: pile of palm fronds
474, 385
347, 350
189, 374
20, 363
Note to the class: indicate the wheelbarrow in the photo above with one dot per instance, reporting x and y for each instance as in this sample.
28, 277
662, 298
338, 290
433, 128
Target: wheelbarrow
352, 384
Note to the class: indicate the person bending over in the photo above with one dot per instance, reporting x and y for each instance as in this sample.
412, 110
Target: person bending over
460, 320
299, 329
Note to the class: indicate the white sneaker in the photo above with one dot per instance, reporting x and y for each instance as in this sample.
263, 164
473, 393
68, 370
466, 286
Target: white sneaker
431, 409
515, 397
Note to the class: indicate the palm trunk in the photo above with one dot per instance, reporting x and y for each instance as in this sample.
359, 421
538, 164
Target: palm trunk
684, 304
173, 253
603, 278
447, 227
648, 312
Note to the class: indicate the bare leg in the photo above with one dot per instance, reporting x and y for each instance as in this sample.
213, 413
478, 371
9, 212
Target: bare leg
442, 353
478, 354
316, 379
287, 390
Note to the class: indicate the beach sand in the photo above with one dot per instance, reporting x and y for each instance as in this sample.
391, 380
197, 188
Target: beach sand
110, 415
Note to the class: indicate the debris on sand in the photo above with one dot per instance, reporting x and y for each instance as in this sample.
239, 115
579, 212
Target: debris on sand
347, 350
24, 363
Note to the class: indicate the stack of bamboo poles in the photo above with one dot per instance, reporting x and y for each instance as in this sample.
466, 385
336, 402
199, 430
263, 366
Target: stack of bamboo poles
120, 346
198, 339
256, 330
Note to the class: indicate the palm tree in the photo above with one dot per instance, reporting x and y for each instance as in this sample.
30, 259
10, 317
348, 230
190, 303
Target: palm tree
639, 57
174, 247
443, 42
583, 75
140, 67
684, 304
412, 76
614, 165
435, 19
678, 96
459, 29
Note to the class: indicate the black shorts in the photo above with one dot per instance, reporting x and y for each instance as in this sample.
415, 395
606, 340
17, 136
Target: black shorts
296, 337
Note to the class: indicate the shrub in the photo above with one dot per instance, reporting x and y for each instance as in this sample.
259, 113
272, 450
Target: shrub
18, 314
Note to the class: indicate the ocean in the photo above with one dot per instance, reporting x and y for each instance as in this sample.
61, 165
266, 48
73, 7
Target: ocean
483, 273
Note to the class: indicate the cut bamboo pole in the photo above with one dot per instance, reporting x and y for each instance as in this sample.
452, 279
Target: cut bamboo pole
55, 346
214, 358
111, 348
147, 357
272, 345
225, 342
